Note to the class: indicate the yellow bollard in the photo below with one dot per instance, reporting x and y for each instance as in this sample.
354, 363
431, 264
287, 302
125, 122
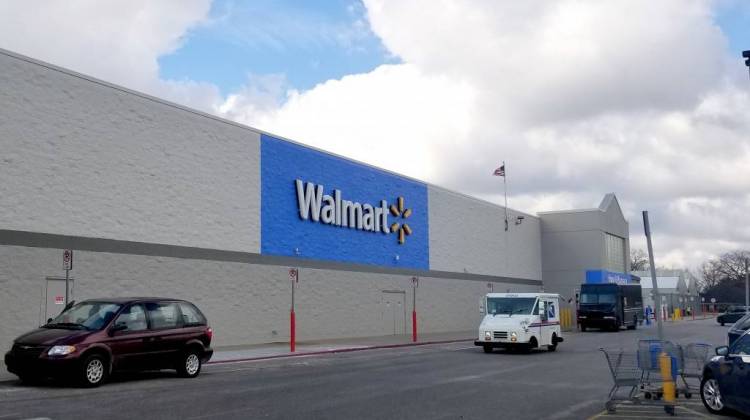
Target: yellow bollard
665, 366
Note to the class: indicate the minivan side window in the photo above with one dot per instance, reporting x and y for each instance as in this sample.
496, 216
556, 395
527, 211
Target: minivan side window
134, 318
163, 315
190, 315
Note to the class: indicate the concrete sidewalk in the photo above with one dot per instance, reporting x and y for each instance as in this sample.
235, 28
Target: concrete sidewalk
230, 354
278, 350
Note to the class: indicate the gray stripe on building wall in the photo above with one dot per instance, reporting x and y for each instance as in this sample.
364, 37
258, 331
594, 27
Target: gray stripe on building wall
55, 241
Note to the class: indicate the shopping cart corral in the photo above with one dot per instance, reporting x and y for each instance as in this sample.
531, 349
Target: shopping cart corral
640, 376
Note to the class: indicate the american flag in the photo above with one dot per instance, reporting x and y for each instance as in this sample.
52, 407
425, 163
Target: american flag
499, 171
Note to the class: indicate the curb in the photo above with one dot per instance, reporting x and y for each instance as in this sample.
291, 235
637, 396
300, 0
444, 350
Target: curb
332, 351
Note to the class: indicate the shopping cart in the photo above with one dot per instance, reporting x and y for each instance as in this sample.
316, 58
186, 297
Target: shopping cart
626, 374
628, 377
693, 358
649, 352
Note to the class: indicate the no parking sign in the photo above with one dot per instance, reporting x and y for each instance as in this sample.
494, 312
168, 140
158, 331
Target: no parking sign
68, 259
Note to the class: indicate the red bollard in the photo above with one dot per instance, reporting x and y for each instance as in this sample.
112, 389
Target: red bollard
414, 326
292, 332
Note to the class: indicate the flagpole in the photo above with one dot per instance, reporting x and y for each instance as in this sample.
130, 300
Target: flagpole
505, 187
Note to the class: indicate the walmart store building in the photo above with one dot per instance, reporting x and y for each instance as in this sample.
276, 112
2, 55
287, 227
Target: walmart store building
158, 199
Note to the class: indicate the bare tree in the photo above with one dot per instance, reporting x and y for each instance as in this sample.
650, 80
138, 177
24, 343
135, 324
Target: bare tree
728, 269
710, 274
638, 260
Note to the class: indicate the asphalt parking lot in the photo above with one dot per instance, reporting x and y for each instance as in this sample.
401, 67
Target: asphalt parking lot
443, 381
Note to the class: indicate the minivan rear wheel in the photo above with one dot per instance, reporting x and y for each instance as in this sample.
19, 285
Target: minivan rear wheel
189, 365
93, 371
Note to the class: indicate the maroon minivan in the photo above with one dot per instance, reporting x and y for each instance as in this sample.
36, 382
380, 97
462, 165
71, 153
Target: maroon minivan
93, 338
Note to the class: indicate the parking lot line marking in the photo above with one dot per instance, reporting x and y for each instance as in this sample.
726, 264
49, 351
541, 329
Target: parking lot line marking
653, 416
596, 416
702, 415
571, 410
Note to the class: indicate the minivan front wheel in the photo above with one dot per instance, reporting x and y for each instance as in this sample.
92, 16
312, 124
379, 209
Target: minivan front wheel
93, 370
189, 365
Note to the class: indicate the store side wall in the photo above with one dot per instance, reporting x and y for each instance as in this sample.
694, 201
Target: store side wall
566, 255
468, 235
82, 158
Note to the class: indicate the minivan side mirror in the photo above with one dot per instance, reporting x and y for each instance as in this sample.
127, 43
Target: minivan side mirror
120, 326
722, 351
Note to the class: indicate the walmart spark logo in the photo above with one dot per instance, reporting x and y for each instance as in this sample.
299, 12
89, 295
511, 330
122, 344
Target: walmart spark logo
403, 229
334, 210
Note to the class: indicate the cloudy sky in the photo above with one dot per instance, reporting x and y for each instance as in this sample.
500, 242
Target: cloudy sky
646, 99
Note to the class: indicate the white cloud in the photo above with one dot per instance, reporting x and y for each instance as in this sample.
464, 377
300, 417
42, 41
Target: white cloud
580, 98
118, 41
388, 117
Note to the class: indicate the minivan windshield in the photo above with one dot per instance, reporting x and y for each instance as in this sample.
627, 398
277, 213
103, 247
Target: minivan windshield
597, 298
510, 305
86, 315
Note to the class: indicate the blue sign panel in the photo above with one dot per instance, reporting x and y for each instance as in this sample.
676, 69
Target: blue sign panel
315, 205
605, 276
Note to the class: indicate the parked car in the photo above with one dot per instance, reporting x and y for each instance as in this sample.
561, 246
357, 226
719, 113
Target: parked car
93, 338
732, 315
726, 382
738, 328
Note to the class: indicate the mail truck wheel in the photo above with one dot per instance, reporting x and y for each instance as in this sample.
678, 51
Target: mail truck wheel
553, 346
487, 348
532, 344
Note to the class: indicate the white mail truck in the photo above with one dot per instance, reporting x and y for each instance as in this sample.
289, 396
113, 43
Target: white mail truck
521, 321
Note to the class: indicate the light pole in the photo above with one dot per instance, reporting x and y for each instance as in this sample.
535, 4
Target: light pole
746, 56
655, 286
